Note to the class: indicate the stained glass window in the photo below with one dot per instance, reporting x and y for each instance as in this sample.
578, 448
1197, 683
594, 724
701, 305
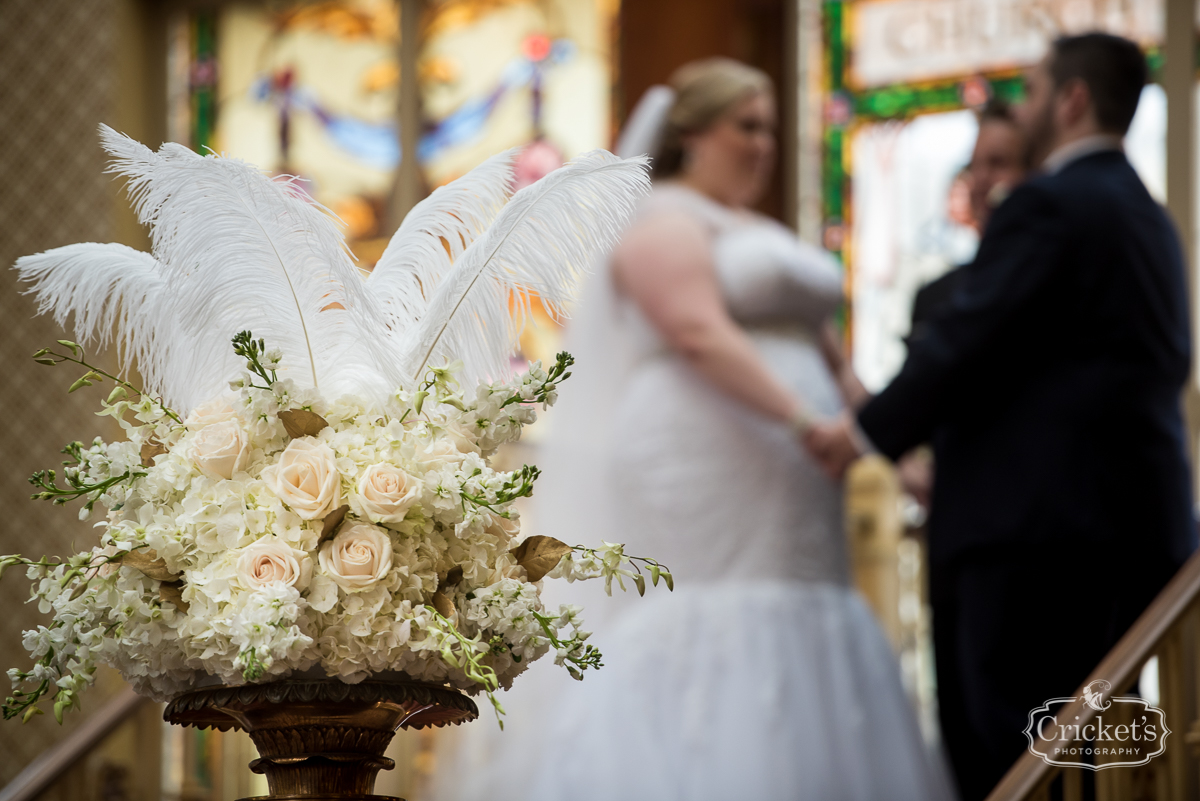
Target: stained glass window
498, 74
312, 88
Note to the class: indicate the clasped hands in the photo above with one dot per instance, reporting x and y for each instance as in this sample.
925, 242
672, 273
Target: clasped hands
834, 443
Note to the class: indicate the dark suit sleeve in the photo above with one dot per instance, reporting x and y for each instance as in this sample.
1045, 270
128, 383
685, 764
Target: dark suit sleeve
1017, 258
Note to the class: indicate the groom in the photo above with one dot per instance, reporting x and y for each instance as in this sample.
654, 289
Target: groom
1052, 380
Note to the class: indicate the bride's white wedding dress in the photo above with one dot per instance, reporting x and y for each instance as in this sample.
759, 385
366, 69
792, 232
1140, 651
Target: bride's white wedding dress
763, 676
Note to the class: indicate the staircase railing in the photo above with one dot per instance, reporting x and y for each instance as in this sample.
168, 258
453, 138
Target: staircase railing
1169, 629
61, 757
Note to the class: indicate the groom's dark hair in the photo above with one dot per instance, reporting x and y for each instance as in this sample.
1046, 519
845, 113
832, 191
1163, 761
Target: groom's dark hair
1113, 69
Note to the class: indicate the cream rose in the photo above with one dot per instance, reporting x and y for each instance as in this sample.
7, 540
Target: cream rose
217, 410
504, 528
271, 559
386, 492
306, 478
358, 557
462, 438
221, 449
440, 451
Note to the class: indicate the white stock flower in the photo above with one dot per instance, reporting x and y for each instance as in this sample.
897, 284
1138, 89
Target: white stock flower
306, 478
270, 560
221, 449
385, 493
358, 557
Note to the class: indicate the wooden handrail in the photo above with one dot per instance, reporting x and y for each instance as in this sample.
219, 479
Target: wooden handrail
60, 757
1120, 667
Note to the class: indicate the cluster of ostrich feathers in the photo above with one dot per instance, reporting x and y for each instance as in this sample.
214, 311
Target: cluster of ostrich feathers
235, 249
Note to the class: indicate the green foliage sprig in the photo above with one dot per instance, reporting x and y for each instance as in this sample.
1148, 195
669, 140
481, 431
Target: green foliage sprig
519, 484
96, 375
77, 485
255, 352
557, 373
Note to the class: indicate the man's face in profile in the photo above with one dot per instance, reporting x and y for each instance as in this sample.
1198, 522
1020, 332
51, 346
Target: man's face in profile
996, 167
1035, 116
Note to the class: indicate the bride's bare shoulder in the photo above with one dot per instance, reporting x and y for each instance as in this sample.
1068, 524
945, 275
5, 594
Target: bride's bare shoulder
665, 234
672, 197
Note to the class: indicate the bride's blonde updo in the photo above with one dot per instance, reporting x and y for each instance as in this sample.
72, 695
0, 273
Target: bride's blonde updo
704, 90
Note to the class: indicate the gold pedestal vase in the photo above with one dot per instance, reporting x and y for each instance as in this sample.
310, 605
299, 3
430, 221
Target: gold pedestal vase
321, 739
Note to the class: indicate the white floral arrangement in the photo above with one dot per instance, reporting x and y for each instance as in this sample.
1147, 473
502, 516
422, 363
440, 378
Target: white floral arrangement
267, 515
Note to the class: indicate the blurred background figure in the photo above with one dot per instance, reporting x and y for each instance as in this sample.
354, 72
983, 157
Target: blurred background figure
997, 166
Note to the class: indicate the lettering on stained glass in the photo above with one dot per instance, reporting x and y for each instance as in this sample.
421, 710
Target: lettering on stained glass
895, 41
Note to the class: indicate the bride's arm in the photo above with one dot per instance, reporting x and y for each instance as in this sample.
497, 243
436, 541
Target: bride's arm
665, 266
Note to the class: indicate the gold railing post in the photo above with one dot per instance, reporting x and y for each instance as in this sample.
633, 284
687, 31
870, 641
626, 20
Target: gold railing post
874, 528
1072, 784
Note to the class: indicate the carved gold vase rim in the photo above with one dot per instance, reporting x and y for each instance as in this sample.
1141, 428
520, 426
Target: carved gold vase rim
427, 704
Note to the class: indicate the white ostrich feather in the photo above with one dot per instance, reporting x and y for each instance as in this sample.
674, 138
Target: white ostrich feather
541, 243
233, 249
434, 235
109, 289
240, 250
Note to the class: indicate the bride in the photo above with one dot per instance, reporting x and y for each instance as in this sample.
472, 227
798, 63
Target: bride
763, 676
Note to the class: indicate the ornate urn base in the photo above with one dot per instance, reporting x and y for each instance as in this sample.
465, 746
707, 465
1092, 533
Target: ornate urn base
320, 739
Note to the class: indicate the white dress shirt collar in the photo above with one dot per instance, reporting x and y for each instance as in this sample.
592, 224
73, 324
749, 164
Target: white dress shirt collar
1074, 151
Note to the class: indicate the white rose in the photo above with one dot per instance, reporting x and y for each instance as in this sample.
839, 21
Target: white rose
221, 449
271, 559
217, 410
358, 557
306, 478
386, 492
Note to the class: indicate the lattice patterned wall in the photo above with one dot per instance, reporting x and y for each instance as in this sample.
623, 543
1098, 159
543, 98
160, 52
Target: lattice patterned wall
56, 85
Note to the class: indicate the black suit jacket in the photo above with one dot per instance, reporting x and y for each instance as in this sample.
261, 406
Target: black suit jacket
932, 299
1053, 377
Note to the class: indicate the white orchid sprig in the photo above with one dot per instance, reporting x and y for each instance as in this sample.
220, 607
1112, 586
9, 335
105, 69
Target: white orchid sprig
611, 562
572, 653
466, 653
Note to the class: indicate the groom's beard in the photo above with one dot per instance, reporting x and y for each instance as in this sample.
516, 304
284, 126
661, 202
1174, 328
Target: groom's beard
1039, 139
